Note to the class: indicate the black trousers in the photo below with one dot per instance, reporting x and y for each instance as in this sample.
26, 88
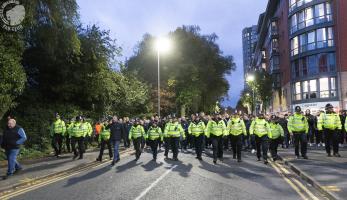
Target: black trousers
300, 140
226, 142
126, 140
236, 144
217, 146
57, 143
274, 146
87, 140
166, 146
319, 137
68, 143
331, 139
174, 144
154, 147
80, 142
137, 145
102, 148
198, 143
262, 146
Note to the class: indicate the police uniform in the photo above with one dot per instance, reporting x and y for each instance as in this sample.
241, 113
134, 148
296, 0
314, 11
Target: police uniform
104, 139
261, 129
154, 136
196, 131
137, 133
236, 127
216, 130
173, 132
58, 130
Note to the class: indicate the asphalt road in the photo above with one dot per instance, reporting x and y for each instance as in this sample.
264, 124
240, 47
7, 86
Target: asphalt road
187, 179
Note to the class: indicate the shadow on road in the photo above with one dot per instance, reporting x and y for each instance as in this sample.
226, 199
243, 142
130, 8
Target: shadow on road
151, 165
126, 166
88, 176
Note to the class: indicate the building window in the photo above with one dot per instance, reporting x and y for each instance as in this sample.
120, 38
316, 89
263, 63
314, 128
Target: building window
305, 93
324, 87
330, 37
333, 87
297, 91
309, 17
323, 63
303, 42
303, 67
295, 46
321, 38
312, 65
331, 62
311, 41
313, 89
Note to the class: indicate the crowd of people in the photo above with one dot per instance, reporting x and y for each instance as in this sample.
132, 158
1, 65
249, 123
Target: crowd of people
219, 132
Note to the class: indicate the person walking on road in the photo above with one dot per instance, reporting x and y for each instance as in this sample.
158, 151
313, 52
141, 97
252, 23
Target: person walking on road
117, 131
216, 130
330, 123
261, 129
77, 137
57, 130
196, 130
298, 127
137, 134
154, 136
276, 136
88, 133
236, 128
104, 139
173, 132
13, 137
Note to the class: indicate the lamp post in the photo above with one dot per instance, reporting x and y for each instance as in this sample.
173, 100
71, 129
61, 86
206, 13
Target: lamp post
162, 45
250, 80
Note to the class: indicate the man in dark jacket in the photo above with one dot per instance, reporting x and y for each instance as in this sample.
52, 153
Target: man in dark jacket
127, 126
117, 131
13, 137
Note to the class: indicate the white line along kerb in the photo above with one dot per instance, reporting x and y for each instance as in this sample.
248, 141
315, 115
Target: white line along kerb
155, 183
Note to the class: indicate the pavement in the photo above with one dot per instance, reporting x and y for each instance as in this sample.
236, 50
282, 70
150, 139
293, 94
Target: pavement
328, 174
165, 179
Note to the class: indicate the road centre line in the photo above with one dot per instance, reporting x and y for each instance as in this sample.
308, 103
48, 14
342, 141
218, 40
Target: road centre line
143, 193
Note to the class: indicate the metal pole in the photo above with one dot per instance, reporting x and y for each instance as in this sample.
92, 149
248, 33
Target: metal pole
158, 84
253, 102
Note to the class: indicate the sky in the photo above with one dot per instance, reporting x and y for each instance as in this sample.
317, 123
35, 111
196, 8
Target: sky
129, 20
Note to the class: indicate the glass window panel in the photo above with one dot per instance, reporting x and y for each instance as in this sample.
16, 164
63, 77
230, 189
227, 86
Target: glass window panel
297, 91
294, 23
323, 62
328, 8
304, 67
301, 20
331, 62
321, 38
309, 17
324, 87
295, 45
313, 89
311, 39
312, 65
305, 90
303, 42
333, 83
319, 13
330, 37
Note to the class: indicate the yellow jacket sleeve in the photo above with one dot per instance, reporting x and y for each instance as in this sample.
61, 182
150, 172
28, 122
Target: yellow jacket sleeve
251, 128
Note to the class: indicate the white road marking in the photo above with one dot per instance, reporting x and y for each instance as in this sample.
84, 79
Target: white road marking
155, 183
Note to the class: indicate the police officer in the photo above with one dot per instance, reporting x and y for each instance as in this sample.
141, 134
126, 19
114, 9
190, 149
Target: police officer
330, 123
136, 134
77, 137
216, 130
104, 139
196, 131
58, 130
261, 129
88, 133
298, 127
173, 132
236, 127
276, 136
154, 136
167, 139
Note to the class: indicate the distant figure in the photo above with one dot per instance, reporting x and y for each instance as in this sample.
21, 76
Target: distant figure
13, 137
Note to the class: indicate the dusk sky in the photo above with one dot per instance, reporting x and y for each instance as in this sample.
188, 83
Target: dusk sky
129, 20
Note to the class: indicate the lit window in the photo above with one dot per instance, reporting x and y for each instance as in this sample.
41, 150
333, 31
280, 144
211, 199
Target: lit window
330, 37
321, 38
309, 17
333, 87
294, 46
324, 87
305, 90
297, 91
319, 13
313, 89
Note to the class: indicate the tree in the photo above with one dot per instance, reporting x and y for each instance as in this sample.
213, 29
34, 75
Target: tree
194, 70
263, 85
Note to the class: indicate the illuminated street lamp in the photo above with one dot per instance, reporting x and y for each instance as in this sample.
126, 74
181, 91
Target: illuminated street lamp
162, 45
250, 79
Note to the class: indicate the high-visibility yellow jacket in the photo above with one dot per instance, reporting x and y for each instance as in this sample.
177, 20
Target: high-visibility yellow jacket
136, 131
88, 129
329, 121
174, 130
216, 128
276, 131
196, 129
77, 129
260, 127
58, 127
236, 126
154, 133
297, 123
104, 133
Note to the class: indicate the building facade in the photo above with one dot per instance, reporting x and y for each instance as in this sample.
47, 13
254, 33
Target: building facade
249, 40
303, 45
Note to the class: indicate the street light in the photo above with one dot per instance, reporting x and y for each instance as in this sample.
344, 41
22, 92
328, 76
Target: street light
162, 45
250, 79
